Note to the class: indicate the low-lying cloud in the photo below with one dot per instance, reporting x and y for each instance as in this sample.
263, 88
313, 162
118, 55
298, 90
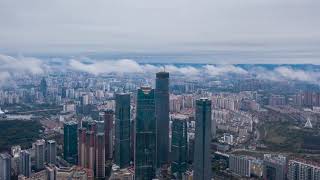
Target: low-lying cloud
10, 66
131, 66
216, 70
285, 73
281, 73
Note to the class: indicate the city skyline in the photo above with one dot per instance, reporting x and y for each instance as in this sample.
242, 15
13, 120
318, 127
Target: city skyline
159, 90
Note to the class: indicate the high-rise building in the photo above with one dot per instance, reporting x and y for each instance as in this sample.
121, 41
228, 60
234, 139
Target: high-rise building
274, 167
90, 150
122, 130
39, 146
145, 138
5, 166
202, 162
70, 147
82, 147
108, 127
51, 152
179, 145
100, 156
300, 170
190, 147
25, 163
15, 153
43, 87
240, 165
162, 117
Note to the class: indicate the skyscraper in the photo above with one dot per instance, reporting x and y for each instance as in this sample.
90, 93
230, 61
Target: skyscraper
70, 147
82, 147
40, 154
108, 124
51, 152
25, 163
122, 130
5, 166
145, 143
202, 162
100, 156
43, 87
162, 117
179, 145
90, 150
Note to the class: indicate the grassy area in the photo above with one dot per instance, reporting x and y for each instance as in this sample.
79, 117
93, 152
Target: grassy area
18, 132
283, 136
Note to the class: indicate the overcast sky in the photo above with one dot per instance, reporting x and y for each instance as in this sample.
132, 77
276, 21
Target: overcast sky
235, 31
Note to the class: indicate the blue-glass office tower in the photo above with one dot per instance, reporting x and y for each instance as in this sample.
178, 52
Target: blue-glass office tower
162, 117
202, 160
179, 145
122, 130
145, 136
70, 140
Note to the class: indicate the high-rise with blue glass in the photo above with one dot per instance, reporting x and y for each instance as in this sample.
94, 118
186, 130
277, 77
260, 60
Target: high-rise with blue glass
122, 130
202, 162
145, 136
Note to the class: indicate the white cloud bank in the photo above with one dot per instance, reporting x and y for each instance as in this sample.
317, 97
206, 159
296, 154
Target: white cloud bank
285, 73
281, 73
131, 66
10, 66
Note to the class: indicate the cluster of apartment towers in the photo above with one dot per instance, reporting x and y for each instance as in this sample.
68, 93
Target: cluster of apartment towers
150, 142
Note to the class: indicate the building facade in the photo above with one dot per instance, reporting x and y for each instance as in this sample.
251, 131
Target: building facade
240, 165
39, 146
202, 160
179, 145
108, 132
5, 166
145, 136
25, 163
298, 170
51, 152
70, 147
274, 167
100, 156
162, 117
122, 130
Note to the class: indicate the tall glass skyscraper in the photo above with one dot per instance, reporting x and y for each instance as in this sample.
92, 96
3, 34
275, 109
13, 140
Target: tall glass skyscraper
162, 117
179, 145
202, 162
145, 143
122, 130
70, 146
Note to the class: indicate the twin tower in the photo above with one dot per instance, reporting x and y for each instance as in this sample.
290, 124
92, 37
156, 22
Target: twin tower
152, 132
152, 128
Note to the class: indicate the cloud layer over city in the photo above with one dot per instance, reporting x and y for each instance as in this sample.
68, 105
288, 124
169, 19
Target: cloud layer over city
11, 66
